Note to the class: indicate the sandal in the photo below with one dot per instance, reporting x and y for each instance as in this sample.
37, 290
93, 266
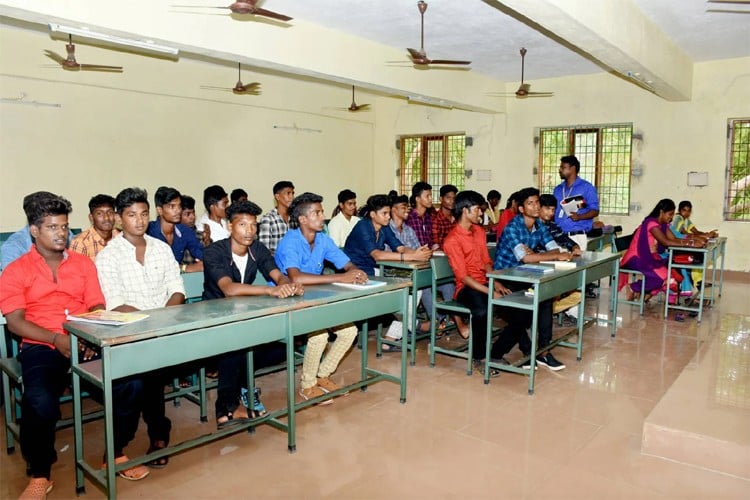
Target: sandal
390, 348
37, 489
161, 462
135, 473
230, 420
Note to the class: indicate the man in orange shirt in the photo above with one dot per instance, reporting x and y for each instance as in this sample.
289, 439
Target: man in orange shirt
466, 249
102, 218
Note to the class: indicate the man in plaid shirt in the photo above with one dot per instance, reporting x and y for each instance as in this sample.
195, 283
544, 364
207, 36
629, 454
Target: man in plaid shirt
420, 217
274, 225
443, 220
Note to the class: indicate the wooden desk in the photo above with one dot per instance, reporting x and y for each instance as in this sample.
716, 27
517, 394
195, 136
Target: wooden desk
590, 267
175, 335
421, 277
714, 249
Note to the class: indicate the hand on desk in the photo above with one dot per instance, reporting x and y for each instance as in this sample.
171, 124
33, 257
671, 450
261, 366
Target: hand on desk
287, 290
356, 276
500, 290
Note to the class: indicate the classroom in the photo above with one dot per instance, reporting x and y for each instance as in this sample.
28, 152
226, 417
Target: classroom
171, 120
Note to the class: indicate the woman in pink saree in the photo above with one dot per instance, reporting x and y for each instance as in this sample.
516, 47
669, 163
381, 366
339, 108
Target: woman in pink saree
649, 240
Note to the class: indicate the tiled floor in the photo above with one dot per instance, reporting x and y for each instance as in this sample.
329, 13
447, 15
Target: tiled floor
579, 436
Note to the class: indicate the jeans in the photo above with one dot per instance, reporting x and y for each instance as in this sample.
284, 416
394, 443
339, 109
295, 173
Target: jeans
45, 377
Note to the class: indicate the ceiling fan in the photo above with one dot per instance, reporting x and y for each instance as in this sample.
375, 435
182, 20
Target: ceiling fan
239, 88
524, 90
728, 10
354, 106
419, 57
69, 63
243, 7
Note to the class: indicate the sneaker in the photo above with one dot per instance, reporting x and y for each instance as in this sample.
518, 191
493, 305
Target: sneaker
314, 392
527, 364
550, 362
329, 385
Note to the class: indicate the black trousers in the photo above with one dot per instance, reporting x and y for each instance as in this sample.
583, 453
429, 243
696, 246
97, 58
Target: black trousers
45, 377
518, 321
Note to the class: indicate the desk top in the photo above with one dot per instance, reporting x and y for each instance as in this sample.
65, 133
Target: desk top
710, 245
587, 259
397, 264
208, 313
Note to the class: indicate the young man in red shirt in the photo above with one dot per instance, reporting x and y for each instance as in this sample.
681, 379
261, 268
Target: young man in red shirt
466, 249
36, 292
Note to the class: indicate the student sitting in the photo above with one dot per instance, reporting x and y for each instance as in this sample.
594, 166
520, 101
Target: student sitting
420, 217
507, 215
36, 291
102, 218
212, 222
274, 225
300, 256
344, 217
238, 194
137, 272
229, 270
682, 225
19, 242
168, 228
522, 234
187, 218
649, 241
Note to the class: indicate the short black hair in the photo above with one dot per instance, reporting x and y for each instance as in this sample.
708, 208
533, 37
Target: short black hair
417, 190
685, 204
188, 203
130, 196
572, 161
301, 206
547, 200
526, 193
31, 198
494, 194
448, 188
346, 195
101, 200
513, 197
664, 205
279, 186
398, 198
212, 195
376, 202
40, 206
467, 199
164, 195
237, 194
243, 207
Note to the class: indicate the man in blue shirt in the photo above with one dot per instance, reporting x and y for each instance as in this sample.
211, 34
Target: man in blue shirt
576, 224
300, 255
167, 228
522, 234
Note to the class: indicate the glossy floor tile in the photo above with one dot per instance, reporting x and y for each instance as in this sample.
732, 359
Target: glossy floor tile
579, 436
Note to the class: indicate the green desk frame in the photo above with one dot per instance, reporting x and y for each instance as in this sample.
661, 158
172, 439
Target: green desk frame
711, 253
590, 267
421, 277
188, 332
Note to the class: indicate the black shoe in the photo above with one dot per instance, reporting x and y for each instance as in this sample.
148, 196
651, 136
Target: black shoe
569, 320
550, 362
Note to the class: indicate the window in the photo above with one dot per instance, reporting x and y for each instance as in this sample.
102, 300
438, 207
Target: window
436, 159
605, 155
737, 200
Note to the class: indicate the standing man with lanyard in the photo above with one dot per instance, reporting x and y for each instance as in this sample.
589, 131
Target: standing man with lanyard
579, 222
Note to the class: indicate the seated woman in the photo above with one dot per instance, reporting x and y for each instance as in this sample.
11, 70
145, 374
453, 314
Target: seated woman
649, 241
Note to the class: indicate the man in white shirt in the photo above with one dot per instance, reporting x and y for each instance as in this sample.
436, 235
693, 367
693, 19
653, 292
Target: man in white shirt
344, 218
215, 200
137, 272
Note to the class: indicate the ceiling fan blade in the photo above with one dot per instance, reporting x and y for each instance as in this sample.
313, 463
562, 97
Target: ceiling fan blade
271, 14
198, 7
209, 87
540, 94
251, 86
448, 61
101, 67
360, 107
54, 56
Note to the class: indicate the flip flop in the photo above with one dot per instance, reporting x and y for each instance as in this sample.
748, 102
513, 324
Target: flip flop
231, 421
390, 348
161, 462
135, 473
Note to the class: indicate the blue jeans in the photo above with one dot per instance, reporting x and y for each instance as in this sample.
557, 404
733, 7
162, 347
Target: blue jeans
45, 377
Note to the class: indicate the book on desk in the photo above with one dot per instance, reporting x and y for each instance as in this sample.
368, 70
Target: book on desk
535, 268
103, 317
367, 285
560, 264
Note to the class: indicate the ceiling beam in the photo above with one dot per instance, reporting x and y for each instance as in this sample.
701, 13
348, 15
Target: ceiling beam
616, 35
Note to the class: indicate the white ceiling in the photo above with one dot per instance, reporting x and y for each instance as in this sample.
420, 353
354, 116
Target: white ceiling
472, 29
